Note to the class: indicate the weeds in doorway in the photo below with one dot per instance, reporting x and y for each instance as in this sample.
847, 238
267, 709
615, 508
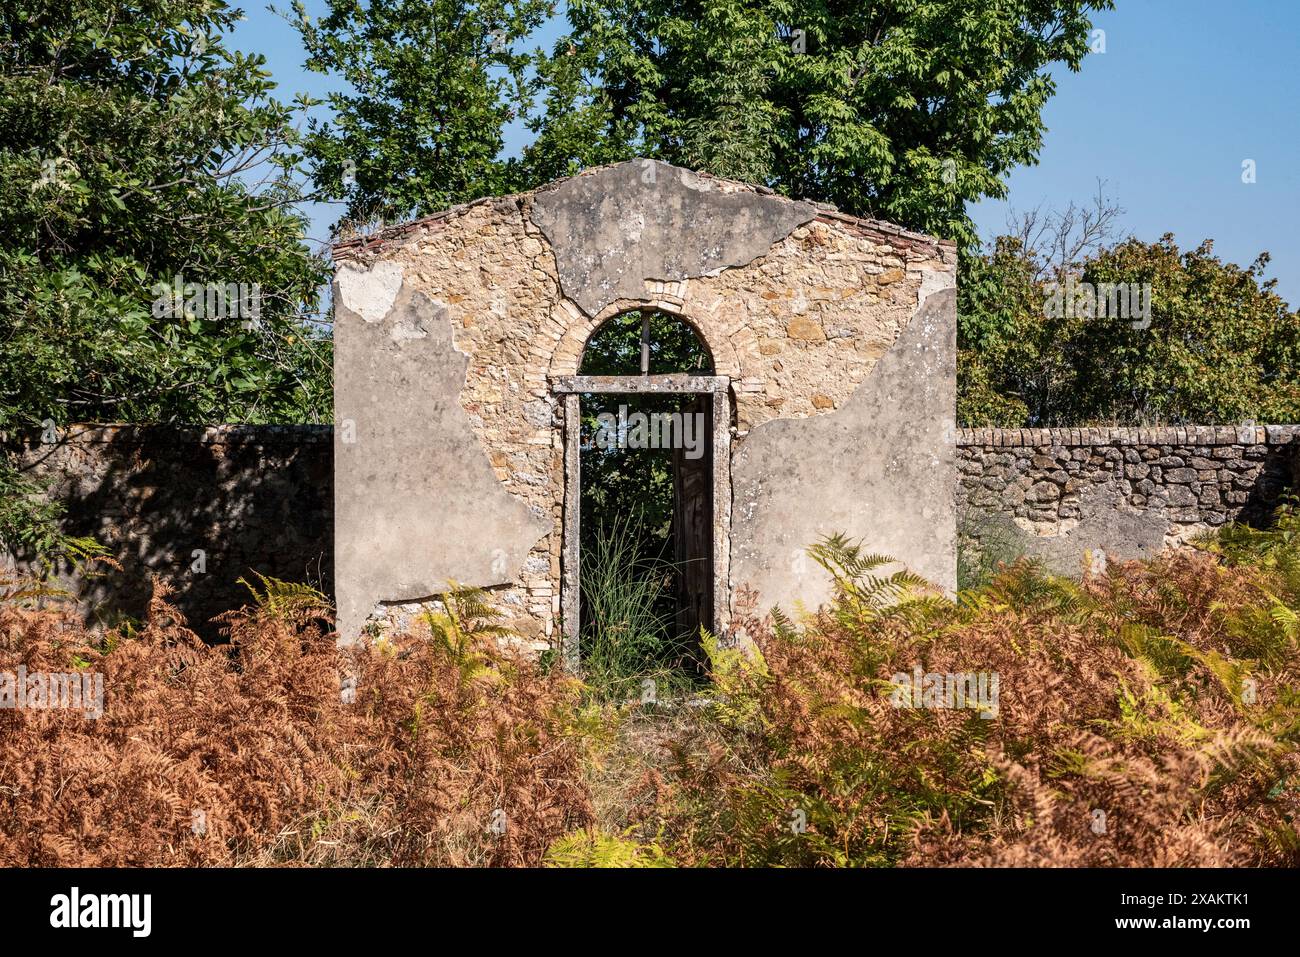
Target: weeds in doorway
629, 650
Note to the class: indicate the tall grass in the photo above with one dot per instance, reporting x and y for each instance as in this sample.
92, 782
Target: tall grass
628, 646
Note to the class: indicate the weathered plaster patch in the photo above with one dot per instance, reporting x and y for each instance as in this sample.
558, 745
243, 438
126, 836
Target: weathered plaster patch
418, 505
935, 280
1107, 523
882, 467
615, 228
369, 292
1108, 526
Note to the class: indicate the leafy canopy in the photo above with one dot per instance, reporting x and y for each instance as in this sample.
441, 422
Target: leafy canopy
138, 149
1219, 344
899, 109
141, 156
432, 85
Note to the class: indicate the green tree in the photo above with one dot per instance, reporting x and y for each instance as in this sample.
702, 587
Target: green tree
132, 140
900, 109
1221, 345
620, 482
432, 86
141, 154
1006, 366
1215, 342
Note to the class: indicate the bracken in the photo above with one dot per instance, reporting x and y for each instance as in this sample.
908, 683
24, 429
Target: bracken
455, 751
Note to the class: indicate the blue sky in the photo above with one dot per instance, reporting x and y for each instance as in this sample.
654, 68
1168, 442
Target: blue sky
1185, 92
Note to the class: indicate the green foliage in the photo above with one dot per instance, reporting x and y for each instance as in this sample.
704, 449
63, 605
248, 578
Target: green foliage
1220, 346
1272, 546
899, 109
735, 673
635, 481
30, 529
138, 149
140, 154
463, 618
288, 601
865, 592
432, 85
1005, 359
594, 849
1268, 630
28, 518
675, 346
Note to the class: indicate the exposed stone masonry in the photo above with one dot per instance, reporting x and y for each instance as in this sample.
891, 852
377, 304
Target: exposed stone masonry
1128, 491
198, 507
796, 319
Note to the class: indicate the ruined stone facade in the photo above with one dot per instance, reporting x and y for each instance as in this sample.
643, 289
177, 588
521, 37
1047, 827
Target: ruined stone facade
1129, 492
451, 331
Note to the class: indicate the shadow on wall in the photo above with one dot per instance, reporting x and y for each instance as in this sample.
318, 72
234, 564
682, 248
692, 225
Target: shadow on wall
200, 508
1278, 477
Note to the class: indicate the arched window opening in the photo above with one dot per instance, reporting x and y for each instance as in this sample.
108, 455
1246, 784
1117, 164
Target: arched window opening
646, 342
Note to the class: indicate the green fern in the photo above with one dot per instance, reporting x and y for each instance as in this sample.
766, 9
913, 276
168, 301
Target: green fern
739, 675
21, 590
459, 623
1281, 839
1026, 587
1241, 544
587, 849
289, 601
1241, 754
862, 595
782, 625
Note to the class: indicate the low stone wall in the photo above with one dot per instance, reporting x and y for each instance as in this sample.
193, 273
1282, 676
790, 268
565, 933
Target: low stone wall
201, 507
261, 499
1130, 492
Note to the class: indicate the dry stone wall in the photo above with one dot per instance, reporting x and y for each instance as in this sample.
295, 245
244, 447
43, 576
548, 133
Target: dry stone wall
1129, 492
260, 499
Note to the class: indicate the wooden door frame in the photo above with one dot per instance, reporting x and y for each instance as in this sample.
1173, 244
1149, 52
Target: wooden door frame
572, 388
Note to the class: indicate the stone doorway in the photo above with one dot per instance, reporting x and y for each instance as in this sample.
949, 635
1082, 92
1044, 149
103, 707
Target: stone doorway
686, 415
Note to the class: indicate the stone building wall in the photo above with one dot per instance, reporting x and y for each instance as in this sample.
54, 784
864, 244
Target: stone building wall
449, 332
1130, 492
246, 498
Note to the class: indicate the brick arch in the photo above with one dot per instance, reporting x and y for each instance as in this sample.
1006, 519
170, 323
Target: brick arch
578, 328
